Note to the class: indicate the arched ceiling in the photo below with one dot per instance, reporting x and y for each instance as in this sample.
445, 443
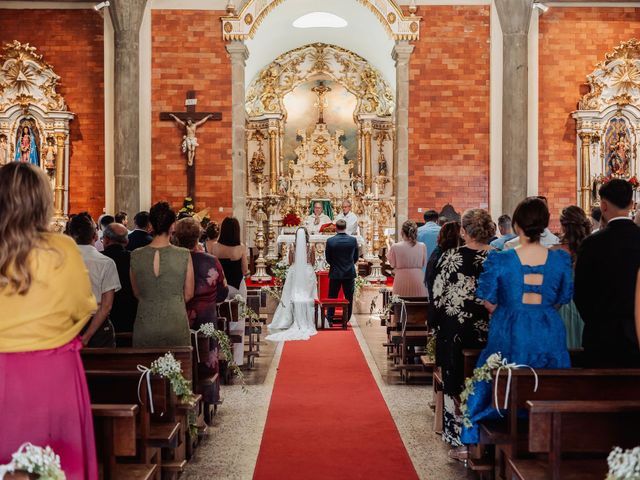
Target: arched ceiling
365, 35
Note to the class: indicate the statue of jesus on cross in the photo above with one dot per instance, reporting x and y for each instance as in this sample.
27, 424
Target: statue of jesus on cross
189, 141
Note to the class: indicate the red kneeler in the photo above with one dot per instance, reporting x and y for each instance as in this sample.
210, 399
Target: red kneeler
340, 304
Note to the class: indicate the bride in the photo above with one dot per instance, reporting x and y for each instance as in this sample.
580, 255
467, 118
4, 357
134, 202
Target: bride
294, 318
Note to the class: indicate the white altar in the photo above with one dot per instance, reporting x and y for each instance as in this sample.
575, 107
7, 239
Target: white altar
318, 242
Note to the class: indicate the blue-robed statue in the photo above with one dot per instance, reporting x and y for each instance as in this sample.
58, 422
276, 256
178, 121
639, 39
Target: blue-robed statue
26, 149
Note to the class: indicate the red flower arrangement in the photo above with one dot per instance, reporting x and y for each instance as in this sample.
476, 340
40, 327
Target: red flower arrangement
291, 220
328, 228
634, 182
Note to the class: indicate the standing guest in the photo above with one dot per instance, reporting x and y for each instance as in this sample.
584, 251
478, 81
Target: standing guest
462, 320
122, 218
162, 280
342, 255
141, 235
575, 228
408, 258
428, 233
102, 223
104, 282
522, 287
506, 232
596, 219
125, 305
348, 216
606, 271
211, 233
232, 254
44, 397
448, 238
547, 239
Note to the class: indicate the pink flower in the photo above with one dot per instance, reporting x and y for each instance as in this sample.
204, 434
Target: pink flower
212, 276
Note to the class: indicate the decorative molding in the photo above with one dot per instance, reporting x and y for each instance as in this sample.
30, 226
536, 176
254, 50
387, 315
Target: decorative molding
245, 23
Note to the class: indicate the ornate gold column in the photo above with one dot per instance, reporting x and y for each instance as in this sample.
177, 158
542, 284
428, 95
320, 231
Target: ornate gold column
585, 177
59, 188
367, 160
273, 161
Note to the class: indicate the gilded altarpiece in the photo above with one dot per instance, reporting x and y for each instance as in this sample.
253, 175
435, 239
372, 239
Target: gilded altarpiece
608, 123
34, 120
325, 161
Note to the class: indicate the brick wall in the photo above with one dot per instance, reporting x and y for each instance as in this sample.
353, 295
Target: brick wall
572, 42
449, 110
72, 41
189, 54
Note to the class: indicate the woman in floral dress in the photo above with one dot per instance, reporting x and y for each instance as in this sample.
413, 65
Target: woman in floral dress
461, 319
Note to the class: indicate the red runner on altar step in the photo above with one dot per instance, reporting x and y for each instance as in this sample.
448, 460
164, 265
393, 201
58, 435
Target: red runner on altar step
327, 418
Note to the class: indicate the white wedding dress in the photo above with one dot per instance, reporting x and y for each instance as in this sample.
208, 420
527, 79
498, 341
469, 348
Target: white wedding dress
294, 317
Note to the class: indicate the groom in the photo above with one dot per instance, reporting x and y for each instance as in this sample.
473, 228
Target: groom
341, 254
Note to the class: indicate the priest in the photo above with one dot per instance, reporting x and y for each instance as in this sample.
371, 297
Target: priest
314, 221
348, 216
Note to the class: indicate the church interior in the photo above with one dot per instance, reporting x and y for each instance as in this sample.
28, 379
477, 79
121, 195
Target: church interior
225, 126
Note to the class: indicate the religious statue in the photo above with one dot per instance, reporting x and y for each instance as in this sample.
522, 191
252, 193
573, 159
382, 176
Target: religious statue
358, 185
50, 154
189, 141
283, 185
4, 150
26, 148
382, 165
321, 90
618, 161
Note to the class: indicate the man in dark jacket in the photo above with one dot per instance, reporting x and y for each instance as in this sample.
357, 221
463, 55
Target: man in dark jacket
341, 254
140, 236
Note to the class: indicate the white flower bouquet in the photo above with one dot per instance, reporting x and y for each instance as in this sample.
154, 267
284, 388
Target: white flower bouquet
624, 464
39, 461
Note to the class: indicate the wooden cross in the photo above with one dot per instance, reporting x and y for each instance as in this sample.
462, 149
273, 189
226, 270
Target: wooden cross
198, 118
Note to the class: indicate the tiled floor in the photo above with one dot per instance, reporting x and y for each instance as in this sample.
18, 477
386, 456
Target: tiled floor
231, 448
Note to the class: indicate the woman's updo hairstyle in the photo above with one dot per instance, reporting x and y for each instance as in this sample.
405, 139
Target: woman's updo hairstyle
532, 217
161, 217
477, 223
410, 231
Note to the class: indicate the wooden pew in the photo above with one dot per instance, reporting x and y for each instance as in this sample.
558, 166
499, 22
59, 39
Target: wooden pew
404, 334
578, 427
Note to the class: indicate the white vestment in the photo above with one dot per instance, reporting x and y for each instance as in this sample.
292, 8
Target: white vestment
314, 223
352, 222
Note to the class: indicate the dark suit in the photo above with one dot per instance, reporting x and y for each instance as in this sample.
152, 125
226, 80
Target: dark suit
342, 254
137, 239
605, 283
125, 305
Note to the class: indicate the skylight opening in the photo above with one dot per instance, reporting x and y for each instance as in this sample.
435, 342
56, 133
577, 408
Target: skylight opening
320, 20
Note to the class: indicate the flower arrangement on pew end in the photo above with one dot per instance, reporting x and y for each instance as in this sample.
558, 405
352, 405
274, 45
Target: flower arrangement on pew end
33, 460
480, 374
279, 272
624, 464
209, 330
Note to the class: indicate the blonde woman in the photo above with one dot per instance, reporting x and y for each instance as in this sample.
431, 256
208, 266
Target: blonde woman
408, 258
43, 392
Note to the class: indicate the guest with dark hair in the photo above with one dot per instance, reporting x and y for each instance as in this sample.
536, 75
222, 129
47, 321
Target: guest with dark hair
506, 232
211, 233
104, 282
448, 238
408, 258
462, 322
232, 254
162, 280
122, 218
428, 233
140, 236
45, 300
606, 273
596, 219
522, 287
102, 223
547, 239
575, 228
125, 305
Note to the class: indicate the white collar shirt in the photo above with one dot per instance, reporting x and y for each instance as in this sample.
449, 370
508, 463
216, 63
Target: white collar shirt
102, 271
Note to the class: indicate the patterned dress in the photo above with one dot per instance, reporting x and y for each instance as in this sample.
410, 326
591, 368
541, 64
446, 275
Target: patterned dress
461, 322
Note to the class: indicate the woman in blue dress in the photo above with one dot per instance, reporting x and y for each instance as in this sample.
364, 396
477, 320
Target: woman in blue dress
523, 288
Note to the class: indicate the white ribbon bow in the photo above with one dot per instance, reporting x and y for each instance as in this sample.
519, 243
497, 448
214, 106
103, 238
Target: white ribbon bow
509, 367
195, 333
403, 316
146, 373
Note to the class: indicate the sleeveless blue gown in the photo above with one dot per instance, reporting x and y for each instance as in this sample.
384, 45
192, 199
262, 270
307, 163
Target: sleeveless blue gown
524, 334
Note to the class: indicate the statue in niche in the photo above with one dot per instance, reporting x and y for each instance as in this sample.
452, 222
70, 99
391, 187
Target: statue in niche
618, 157
383, 168
358, 185
50, 154
189, 140
4, 150
27, 146
283, 185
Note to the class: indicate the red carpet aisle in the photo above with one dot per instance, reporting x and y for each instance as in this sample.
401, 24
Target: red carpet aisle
327, 418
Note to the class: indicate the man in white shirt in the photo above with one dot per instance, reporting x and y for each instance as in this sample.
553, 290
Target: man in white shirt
104, 282
348, 216
547, 239
314, 221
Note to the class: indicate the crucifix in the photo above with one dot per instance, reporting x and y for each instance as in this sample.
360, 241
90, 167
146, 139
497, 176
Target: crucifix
190, 120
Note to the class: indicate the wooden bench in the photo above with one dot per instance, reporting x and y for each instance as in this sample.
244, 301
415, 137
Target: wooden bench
575, 427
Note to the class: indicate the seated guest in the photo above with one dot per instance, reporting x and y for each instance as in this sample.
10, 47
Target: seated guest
140, 237
162, 280
210, 284
408, 258
314, 221
102, 223
461, 320
547, 239
104, 282
606, 270
522, 287
44, 397
125, 305
122, 218
211, 233
506, 232
575, 228
232, 254
428, 233
348, 216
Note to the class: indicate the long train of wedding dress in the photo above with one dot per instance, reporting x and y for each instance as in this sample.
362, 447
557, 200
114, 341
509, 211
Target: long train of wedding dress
294, 317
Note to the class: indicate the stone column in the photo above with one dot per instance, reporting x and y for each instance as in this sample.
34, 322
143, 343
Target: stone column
401, 54
58, 200
239, 54
515, 17
585, 174
367, 157
126, 16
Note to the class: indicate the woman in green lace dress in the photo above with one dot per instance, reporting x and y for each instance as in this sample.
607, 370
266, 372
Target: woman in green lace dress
162, 280
575, 228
